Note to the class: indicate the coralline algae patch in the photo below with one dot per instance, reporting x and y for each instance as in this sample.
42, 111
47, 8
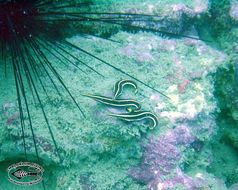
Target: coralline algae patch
180, 70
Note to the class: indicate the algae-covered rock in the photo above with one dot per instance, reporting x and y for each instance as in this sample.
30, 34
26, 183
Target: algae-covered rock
164, 63
191, 103
102, 152
234, 10
172, 17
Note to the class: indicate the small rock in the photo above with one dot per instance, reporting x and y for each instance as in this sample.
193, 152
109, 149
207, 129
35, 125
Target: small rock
234, 10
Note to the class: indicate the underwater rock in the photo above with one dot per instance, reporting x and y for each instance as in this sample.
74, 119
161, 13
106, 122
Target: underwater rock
101, 138
236, 75
107, 147
234, 187
173, 17
11, 113
192, 108
162, 158
191, 121
234, 10
200, 7
179, 179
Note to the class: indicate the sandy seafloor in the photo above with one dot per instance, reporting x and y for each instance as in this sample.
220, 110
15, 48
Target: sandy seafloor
194, 145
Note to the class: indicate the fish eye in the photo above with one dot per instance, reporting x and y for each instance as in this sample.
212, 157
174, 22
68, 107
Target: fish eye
129, 110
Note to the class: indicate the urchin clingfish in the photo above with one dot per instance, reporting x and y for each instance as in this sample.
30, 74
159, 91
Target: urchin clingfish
134, 105
118, 88
138, 115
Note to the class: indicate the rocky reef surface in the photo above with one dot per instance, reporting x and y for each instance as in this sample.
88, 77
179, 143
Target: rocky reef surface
194, 146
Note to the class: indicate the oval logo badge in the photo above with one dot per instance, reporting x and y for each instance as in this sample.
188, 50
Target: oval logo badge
25, 173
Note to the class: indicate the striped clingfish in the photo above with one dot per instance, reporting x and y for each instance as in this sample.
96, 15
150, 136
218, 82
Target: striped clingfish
118, 88
128, 104
138, 115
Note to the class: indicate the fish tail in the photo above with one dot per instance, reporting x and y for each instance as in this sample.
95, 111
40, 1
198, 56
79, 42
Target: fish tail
113, 115
87, 95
